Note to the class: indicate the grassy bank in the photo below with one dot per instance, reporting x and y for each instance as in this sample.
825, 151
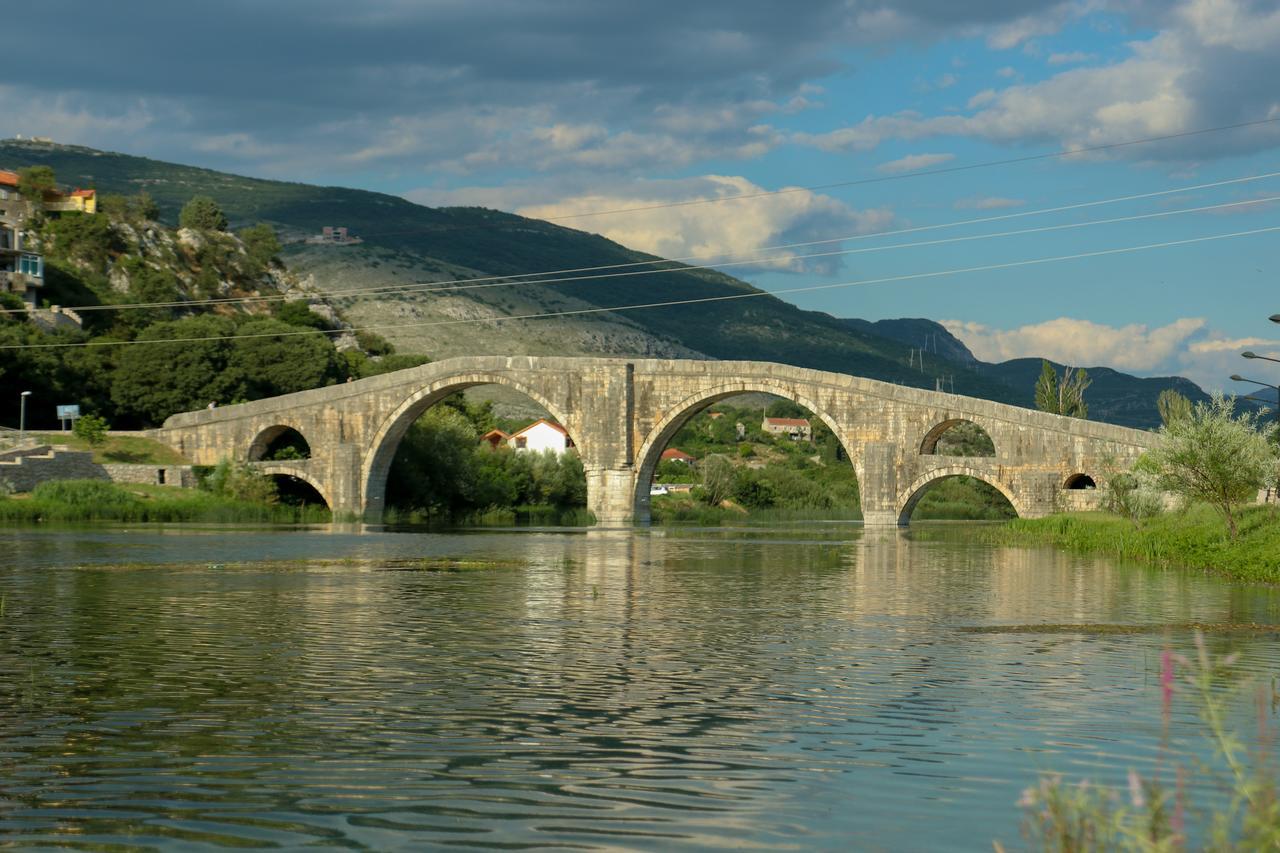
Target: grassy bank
513, 516
95, 500
134, 449
1195, 538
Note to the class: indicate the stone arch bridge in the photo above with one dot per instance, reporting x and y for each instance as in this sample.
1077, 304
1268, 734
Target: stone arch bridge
622, 412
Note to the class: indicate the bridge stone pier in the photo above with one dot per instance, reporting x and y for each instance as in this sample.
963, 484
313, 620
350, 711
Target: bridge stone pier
622, 413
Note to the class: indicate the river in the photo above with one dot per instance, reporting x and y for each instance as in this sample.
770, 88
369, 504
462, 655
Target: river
807, 686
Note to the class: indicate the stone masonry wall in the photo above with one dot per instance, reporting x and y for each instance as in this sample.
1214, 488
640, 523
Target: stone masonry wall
621, 413
43, 464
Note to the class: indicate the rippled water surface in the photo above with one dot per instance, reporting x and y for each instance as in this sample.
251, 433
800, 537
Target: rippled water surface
802, 687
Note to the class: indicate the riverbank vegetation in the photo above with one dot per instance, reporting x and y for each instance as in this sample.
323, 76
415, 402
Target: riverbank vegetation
1154, 814
1192, 538
1213, 461
68, 501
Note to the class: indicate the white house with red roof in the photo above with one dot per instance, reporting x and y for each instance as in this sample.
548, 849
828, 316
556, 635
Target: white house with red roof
797, 428
541, 435
676, 455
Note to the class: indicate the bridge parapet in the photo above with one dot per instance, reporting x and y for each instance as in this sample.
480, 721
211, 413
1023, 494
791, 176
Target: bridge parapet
621, 414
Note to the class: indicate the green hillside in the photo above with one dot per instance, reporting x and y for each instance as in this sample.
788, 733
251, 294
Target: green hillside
494, 243
406, 244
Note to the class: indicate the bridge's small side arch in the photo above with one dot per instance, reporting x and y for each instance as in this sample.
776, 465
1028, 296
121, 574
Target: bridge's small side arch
677, 416
266, 438
1080, 481
909, 497
381, 451
286, 470
929, 444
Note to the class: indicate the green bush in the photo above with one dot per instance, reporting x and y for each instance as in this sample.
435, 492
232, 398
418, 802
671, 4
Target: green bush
240, 482
91, 428
202, 213
98, 495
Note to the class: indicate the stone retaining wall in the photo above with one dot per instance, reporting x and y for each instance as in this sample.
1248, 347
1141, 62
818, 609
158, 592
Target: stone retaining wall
36, 465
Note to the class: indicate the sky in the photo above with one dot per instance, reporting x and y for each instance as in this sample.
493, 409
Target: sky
844, 119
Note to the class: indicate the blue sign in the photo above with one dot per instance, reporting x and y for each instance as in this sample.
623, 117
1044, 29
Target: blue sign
68, 413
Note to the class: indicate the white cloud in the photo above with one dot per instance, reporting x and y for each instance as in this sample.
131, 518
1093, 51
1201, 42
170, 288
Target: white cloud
1211, 362
737, 228
914, 162
1202, 69
1067, 340
1007, 72
1236, 345
1071, 58
1042, 23
988, 203
982, 98
1186, 347
73, 119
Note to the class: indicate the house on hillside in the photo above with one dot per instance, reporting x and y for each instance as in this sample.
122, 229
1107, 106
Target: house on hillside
541, 435
674, 455
797, 429
21, 270
334, 235
495, 438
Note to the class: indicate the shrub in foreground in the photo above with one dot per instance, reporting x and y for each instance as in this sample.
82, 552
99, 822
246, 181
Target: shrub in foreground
1155, 815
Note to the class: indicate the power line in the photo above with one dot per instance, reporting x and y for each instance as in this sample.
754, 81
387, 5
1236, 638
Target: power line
479, 284
1065, 152
669, 303
890, 233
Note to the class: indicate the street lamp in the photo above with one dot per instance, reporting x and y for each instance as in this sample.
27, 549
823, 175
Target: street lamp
1248, 354
22, 416
1235, 377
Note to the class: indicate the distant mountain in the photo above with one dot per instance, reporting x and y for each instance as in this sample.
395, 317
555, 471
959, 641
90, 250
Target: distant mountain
1113, 396
929, 337
406, 245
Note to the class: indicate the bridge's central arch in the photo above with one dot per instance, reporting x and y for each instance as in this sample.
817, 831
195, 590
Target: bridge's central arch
650, 451
376, 468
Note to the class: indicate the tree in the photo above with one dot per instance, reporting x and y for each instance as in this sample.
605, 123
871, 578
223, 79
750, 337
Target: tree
274, 358
202, 214
261, 244
298, 313
1172, 406
186, 368
1063, 396
35, 181
1216, 456
1134, 494
91, 428
145, 207
717, 478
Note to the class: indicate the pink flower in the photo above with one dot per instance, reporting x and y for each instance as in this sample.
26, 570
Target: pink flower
1166, 678
1135, 790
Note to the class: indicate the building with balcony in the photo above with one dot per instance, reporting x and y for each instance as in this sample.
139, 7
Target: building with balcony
21, 269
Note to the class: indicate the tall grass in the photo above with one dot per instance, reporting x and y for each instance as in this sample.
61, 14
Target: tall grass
97, 500
1194, 538
1157, 817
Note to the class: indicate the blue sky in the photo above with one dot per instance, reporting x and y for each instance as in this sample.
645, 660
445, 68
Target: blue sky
567, 107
